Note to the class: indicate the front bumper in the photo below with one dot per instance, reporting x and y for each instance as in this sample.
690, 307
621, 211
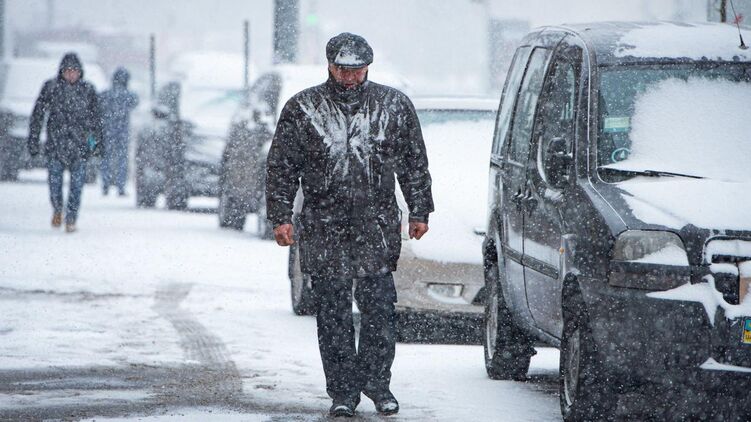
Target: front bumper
642, 338
416, 280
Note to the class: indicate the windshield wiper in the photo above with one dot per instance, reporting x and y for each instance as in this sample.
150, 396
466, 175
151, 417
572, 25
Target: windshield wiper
649, 173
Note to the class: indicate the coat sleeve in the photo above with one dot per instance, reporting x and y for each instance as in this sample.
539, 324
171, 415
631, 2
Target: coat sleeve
41, 107
412, 166
283, 166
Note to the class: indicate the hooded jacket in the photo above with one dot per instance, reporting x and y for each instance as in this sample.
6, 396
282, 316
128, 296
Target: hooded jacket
72, 112
347, 148
116, 104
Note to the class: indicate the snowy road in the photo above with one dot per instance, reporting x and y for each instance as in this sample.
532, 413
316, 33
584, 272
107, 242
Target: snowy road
160, 315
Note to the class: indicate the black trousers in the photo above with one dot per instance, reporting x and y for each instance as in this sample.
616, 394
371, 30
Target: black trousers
366, 368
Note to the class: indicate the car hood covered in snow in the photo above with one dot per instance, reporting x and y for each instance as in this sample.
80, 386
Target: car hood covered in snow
675, 202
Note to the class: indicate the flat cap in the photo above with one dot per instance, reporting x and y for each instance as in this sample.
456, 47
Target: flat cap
349, 50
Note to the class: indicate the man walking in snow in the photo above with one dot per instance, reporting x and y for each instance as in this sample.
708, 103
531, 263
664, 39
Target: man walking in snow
74, 134
116, 104
346, 141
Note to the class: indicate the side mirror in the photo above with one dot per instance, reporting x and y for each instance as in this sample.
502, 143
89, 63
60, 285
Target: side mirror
159, 112
557, 163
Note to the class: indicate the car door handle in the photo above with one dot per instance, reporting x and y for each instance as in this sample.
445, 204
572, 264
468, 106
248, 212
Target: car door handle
517, 197
529, 201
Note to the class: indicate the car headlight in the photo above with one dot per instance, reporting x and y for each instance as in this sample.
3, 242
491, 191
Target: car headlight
650, 260
650, 247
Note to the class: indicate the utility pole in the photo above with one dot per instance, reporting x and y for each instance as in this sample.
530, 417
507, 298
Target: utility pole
2, 29
50, 14
246, 54
152, 67
286, 30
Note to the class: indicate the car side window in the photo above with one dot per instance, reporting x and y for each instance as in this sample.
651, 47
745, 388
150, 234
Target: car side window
556, 114
509, 97
524, 114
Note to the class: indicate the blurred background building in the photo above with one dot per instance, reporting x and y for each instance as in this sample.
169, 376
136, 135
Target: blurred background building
439, 46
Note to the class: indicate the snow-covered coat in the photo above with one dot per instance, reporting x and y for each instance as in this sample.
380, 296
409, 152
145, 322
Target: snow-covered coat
74, 115
345, 147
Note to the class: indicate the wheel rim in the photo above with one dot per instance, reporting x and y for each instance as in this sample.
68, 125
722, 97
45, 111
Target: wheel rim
491, 326
571, 375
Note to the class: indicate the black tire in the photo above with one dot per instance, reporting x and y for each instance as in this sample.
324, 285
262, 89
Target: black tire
146, 194
176, 195
145, 199
300, 290
508, 349
584, 388
265, 231
8, 168
230, 212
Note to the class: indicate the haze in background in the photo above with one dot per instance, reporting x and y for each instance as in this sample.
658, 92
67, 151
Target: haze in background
439, 46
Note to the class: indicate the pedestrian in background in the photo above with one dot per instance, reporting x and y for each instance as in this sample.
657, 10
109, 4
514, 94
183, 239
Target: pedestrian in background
116, 104
346, 141
74, 133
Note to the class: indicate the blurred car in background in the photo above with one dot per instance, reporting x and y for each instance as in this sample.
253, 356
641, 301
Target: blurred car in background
440, 279
21, 81
242, 188
179, 150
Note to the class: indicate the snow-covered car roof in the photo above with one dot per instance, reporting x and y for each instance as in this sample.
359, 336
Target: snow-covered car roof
214, 69
622, 42
456, 103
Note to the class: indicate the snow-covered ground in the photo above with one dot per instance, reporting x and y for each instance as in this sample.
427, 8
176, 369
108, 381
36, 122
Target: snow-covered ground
151, 293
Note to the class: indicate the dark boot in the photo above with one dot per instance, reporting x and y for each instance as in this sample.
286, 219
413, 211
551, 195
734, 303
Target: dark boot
344, 407
385, 403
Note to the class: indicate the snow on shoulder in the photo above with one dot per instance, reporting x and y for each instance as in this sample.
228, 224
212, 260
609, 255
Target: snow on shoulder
680, 40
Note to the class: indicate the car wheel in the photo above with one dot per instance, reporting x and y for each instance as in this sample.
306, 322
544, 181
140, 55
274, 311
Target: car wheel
300, 290
508, 349
583, 386
8, 165
176, 195
265, 231
145, 194
230, 213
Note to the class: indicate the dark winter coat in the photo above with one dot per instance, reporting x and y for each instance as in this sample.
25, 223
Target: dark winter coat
74, 115
116, 104
346, 147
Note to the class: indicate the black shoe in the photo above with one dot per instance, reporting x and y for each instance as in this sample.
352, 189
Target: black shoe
386, 404
345, 408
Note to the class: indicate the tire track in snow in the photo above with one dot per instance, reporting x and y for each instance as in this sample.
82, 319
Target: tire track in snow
218, 381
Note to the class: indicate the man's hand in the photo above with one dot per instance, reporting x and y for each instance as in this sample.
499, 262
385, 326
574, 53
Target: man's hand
283, 234
417, 230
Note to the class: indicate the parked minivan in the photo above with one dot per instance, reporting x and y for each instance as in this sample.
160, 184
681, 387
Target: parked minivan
619, 214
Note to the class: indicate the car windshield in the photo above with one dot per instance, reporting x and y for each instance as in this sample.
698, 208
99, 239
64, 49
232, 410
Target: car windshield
689, 119
209, 109
457, 143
